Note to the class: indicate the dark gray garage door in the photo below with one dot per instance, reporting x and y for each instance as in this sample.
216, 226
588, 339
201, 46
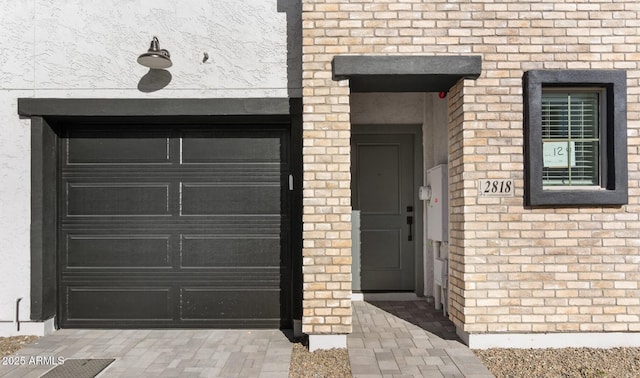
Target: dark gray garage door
173, 226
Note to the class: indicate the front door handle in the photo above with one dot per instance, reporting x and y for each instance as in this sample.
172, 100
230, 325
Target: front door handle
410, 223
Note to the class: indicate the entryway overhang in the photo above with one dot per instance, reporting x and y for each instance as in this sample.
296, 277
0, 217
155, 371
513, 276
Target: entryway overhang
404, 73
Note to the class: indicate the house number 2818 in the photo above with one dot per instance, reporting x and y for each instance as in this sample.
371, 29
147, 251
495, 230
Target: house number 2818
495, 188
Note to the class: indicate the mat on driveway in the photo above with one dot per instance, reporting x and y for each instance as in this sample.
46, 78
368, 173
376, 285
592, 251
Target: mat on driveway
79, 368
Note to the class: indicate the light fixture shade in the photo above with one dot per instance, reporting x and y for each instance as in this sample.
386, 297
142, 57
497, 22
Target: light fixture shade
155, 58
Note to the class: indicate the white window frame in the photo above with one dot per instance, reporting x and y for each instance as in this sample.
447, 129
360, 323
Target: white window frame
601, 139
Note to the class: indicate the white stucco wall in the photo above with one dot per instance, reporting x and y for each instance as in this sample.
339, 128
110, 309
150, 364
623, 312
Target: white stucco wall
88, 49
76, 48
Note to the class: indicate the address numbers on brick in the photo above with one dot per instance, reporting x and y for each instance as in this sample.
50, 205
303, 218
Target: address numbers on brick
495, 188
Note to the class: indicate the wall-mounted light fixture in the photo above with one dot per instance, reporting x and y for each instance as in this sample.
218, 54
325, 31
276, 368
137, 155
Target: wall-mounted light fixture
155, 58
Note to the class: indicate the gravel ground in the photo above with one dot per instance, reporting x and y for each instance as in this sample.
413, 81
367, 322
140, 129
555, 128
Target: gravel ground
10, 345
332, 363
567, 362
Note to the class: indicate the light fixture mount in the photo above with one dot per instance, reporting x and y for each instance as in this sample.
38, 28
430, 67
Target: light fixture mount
155, 58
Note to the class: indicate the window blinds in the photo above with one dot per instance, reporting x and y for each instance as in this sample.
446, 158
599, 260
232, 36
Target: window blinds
570, 138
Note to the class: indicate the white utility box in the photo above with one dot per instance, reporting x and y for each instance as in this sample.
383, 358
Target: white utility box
438, 205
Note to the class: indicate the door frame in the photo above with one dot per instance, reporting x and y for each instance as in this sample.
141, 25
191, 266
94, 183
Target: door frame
418, 179
46, 113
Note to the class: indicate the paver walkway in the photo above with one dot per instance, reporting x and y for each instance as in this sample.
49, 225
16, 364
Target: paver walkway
408, 339
389, 339
165, 353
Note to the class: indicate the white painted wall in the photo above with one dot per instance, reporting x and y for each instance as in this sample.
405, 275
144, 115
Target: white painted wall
435, 131
387, 108
426, 109
436, 147
88, 49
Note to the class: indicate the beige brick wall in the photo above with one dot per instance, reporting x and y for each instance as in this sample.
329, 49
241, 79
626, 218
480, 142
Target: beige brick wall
513, 269
456, 203
326, 188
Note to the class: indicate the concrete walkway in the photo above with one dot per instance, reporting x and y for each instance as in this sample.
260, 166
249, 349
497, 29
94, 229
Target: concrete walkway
408, 339
165, 353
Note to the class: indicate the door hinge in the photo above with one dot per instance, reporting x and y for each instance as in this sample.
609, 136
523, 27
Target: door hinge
290, 182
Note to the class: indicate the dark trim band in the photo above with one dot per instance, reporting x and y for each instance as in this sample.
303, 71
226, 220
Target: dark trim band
152, 107
405, 73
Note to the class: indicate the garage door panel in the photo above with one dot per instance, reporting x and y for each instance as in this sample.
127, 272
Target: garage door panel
119, 303
118, 251
117, 150
121, 199
211, 303
210, 251
169, 226
227, 149
220, 199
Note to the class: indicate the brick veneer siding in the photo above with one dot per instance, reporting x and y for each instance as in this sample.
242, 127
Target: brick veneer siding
456, 204
326, 189
513, 269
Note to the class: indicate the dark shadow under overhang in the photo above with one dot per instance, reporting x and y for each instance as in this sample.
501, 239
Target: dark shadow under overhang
405, 73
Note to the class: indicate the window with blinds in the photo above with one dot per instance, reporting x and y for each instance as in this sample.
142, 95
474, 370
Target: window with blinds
575, 138
570, 138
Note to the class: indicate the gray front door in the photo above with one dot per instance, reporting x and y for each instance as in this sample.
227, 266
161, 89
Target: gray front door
383, 192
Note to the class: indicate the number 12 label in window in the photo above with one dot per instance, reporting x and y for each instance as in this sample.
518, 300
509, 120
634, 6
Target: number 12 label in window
495, 188
558, 154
